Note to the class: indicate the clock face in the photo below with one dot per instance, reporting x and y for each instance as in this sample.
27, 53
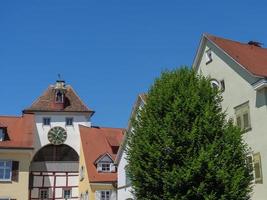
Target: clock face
57, 135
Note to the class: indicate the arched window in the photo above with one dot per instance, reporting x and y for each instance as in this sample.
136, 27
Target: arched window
56, 153
59, 97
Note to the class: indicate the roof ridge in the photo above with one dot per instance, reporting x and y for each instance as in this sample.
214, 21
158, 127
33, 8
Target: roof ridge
10, 116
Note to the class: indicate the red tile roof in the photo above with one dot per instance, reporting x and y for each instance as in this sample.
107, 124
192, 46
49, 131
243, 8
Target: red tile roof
20, 131
251, 57
46, 102
97, 141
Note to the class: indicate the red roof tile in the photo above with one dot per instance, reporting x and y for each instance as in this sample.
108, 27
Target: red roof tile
46, 102
20, 131
97, 141
251, 57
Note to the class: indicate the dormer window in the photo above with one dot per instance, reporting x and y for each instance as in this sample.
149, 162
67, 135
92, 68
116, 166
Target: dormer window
105, 164
59, 97
3, 134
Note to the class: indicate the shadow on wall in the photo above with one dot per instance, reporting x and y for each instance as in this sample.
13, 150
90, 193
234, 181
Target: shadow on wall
261, 98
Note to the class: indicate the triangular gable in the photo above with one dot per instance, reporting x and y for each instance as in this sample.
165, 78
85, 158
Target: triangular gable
106, 157
250, 58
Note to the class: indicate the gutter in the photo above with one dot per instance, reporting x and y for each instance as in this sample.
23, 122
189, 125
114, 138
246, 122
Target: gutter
262, 83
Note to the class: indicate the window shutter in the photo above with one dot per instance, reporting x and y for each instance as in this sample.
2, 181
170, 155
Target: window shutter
112, 167
113, 195
15, 171
98, 195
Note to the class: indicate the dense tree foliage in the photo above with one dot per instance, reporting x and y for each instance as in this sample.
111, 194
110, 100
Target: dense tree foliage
182, 146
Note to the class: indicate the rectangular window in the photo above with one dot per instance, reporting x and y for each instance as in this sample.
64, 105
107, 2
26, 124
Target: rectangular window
43, 193
69, 121
67, 193
243, 116
105, 195
46, 121
257, 168
208, 56
105, 167
5, 170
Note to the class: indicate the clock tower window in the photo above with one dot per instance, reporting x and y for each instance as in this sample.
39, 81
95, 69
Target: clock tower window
60, 91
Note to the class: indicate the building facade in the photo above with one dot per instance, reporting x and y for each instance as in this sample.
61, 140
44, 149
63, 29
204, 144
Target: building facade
124, 189
41, 152
239, 71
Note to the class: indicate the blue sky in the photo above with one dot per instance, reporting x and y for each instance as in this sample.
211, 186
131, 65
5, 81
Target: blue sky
109, 51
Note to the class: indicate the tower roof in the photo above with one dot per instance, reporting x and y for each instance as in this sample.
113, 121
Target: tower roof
46, 102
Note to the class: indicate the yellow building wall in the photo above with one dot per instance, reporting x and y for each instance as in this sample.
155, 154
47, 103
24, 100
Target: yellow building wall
85, 185
17, 190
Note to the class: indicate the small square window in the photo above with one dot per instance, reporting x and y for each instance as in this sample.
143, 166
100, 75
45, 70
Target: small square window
43, 193
46, 121
67, 193
105, 195
105, 167
208, 56
69, 121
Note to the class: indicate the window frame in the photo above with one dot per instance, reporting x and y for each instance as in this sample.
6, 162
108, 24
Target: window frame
105, 195
65, 190
4, 168
67, 120
42, 190
240, 111
2, 135
45, 120
257, 159
208, 55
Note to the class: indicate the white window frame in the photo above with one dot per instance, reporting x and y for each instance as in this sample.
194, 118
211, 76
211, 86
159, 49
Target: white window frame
6, 168
105, 166
105, 196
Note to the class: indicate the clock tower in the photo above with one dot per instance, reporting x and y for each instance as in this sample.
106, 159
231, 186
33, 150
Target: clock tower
58, 112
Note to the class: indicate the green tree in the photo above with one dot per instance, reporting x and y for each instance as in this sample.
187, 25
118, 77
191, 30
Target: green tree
182, 146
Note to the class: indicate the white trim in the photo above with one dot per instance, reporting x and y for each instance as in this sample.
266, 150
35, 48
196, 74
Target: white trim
262, 83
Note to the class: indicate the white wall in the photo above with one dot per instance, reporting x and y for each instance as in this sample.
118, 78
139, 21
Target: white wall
123, 191
58, 119
238, 90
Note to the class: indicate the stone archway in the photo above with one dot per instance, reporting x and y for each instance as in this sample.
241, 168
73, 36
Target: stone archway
54, 173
